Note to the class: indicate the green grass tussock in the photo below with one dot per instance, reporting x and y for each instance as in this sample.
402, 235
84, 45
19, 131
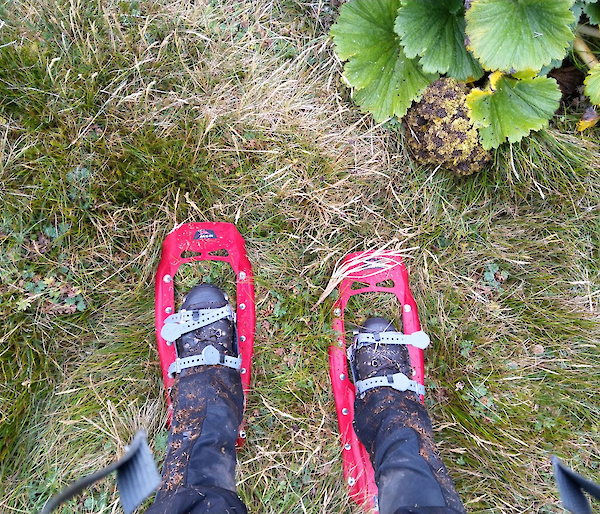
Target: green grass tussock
120, 120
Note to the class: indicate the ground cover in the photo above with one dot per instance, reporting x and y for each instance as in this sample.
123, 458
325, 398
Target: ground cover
119, 120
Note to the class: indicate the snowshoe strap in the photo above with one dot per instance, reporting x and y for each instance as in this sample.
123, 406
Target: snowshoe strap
398, 381
210, 356
184, 321
417, 339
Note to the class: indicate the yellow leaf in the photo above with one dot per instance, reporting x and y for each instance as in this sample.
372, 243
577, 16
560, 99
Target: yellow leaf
589, 119
475, 94
494, 78
525, 74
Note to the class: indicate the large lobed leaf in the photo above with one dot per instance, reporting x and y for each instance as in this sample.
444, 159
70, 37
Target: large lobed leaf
516, 35
592, 84
435, 31
385, 81
592, 10
577, 9
511, 109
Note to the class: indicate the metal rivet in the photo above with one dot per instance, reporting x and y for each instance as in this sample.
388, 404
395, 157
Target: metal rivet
407, 308
242, 275
345, 412
242, 306
167, 279
337, 312
242, 434
351, 481
347, 446
243, 371
242, 338
342, 376
169, 310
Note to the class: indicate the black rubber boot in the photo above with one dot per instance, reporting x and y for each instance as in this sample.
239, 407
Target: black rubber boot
207, 411
396, 431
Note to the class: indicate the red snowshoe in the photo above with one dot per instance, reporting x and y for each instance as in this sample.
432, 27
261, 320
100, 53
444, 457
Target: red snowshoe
374, 271
206, 242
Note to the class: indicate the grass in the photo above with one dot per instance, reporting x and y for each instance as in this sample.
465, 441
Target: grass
119, 120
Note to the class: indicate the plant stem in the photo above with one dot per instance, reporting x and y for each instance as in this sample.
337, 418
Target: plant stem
588, 31
584, 52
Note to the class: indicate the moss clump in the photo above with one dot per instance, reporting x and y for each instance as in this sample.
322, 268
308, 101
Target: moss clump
439, 131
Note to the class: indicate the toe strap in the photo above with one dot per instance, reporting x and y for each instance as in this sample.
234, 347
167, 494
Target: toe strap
417, 339
398, 381
184, 321
210, 356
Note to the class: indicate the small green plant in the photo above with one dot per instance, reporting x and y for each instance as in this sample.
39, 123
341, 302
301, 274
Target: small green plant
395, 48
494, 277
465, 347
53, 293
481, 401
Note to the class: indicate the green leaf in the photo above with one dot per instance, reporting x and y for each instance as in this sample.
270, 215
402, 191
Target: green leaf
385, 81
516, 35
593, 12
511, 109
363, 25
488, 276
51, 232
23, 304
592, 84
554, 63
577, 9
435, 30
391, 93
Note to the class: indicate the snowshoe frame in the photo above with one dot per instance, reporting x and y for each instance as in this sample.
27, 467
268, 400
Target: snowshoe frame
206, 242
370, 268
